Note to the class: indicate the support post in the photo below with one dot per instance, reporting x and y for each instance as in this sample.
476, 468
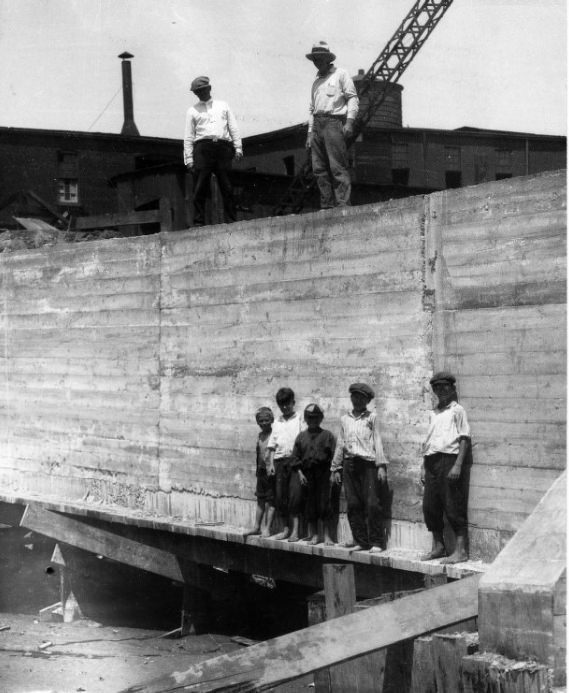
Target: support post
363, 673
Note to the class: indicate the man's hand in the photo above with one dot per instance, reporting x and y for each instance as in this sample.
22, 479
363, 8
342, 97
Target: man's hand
454, 473
238, 154
270, 469
336, 478
302, 477
348, 128
190, 165
382, 473
308, 140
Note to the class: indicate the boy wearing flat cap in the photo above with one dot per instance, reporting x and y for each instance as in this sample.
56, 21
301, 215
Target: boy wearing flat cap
211, 141
332, 112
359, 455
310, 478
444, 477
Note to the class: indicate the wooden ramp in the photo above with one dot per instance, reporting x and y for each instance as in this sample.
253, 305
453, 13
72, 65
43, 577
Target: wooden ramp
263, 666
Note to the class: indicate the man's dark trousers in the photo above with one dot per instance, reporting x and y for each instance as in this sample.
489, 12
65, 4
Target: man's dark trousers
366, 498
212, 157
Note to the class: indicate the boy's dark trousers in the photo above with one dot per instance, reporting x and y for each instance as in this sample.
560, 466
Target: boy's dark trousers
212, 157
282, 483
444, 496
313, 500
366, 498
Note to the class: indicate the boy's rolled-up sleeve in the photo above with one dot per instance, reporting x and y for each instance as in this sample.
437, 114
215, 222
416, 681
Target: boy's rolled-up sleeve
461, 423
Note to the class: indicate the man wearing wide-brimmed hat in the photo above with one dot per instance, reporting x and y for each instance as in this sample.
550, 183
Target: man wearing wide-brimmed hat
211, 141
333, 110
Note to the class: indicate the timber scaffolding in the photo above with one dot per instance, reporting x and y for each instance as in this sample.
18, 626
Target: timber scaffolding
132, 368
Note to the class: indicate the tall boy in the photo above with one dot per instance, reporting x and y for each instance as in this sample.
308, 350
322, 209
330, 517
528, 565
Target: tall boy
310, 477
281, 442
444, 477
359, 452
265, 489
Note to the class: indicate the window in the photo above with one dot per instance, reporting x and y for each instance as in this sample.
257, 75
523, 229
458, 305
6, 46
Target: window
452, 159
453, 174
67, 191
503, 163
289, 165
67, 178
399, 155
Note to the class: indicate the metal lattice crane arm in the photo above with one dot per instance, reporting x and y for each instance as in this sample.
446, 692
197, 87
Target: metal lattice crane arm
399, 51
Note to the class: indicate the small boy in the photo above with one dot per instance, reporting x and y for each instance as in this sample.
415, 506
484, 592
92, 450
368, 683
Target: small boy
265, 490
280, 444
310, 477
443, 475
359, 453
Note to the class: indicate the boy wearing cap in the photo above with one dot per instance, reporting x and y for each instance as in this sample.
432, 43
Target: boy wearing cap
310, 477
211, 140
332, 112
265, 490
443, 474
280, 445
359, 453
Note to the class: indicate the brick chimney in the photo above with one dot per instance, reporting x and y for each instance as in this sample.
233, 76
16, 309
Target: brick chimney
129, 127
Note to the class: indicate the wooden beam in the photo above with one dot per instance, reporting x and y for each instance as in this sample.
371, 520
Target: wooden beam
100, 541
103, 221
291, 656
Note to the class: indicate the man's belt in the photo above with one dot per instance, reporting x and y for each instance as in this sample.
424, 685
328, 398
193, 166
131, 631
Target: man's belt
332, 116
213, 139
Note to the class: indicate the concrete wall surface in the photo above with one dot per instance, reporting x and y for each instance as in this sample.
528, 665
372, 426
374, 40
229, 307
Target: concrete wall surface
132, 368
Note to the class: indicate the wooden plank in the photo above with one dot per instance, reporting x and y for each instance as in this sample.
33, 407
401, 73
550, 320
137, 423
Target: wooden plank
105, 543
295, 654
423, 678
103, 221
448, 652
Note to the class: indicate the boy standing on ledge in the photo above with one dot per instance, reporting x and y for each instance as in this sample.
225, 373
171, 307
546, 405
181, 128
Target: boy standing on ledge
444, 477
281, 442
359, 452
265, 490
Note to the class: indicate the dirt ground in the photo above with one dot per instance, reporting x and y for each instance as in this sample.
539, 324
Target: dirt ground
85, 656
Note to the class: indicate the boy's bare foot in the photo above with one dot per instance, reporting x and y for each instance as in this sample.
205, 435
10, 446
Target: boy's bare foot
456, 557
356, 547
328, 541
282, 535
265, 534
293, 537
314, 540
252, 532
432, 555
376, 549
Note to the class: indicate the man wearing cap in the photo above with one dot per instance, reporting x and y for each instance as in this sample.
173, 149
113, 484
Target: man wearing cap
332, 112
211, 141
444, 475
359, 455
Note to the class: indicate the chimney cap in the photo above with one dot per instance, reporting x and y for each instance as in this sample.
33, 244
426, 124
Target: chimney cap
126, 55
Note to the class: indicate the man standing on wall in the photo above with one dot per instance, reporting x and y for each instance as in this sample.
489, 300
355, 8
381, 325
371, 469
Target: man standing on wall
333, 110
211, 141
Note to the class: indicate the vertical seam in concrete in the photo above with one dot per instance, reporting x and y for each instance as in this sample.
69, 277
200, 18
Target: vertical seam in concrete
161, 246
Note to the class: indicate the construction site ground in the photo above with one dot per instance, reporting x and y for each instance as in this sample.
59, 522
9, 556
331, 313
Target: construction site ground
86, 656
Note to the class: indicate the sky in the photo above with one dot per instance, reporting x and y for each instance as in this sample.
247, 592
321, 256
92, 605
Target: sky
498, 64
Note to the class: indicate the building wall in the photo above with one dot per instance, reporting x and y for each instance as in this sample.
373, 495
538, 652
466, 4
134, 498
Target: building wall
29, 161
132, 368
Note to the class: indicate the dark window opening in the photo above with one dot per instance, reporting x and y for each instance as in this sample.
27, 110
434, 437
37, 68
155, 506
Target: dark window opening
400, 176
453, 179
288, 162
503, 176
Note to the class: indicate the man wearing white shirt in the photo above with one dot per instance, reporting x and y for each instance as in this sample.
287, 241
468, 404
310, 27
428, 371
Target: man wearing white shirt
333, 109
211, 140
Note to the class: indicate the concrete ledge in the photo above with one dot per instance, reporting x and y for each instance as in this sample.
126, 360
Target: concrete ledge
398, 559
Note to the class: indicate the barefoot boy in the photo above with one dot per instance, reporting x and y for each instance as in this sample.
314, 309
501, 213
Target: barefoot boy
280, 444
446, 489
310, 477
359, 452
265, 490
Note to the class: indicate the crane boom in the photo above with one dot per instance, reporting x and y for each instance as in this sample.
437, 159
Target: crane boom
393, 60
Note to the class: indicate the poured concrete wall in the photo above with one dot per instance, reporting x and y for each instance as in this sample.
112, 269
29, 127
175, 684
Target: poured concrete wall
132, 368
